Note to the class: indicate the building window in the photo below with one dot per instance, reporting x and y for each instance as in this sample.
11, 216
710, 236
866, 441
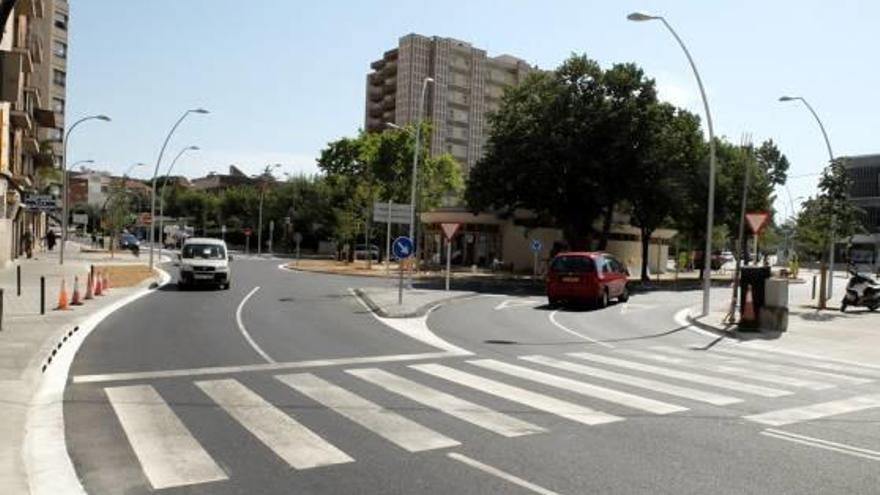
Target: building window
59, 77
54, 134
58, 105
61, 20
60, 48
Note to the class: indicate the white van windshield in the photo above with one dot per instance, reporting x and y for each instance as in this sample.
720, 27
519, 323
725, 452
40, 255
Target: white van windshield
205, 251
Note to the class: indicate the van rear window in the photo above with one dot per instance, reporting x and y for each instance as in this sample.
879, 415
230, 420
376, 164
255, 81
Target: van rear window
572, 264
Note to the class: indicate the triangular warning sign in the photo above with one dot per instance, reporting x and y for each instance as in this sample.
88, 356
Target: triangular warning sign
757, 221
449, 229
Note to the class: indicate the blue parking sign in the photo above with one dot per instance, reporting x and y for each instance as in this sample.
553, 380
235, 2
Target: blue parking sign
537, 245
402, 247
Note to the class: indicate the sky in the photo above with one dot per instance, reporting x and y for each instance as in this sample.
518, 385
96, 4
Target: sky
282, 78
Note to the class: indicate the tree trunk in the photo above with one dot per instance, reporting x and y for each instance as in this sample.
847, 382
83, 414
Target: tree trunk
646, 242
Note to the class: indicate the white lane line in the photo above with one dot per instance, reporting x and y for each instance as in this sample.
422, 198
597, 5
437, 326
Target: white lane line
825, 365
792, 415
790, 352
415, 328
683, 375
823, 444
286, 437
781, 368
748, 373
583, 388
515, 303
403, 432
635, 381
476, 414
531, 399
681, 319
244, 331
283, 366
500, 474
562, 327
168, 453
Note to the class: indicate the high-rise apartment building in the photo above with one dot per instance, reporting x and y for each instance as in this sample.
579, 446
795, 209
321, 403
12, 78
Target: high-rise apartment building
50, 75
468, 85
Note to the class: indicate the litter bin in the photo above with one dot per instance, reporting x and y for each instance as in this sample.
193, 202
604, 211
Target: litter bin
752, 279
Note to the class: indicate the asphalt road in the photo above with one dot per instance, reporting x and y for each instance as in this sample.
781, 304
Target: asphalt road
313, 394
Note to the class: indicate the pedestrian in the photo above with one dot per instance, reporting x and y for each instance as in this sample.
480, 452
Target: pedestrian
50, 239
27, 240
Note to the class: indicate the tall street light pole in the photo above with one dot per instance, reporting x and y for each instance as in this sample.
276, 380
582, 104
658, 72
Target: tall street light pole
267, 172
831, 159
415, 168
156, 174
710, 213
162, 192
64, 181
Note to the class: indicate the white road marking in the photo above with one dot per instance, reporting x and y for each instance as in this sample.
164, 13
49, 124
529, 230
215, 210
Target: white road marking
483, 417
748, 373
816, 411
635, 381
801, 361
168, 453
531, 399
415, 328
500, 474
515, 303
283, 366
395, 428
782, 368
562, 327
285, 436
244, 331
790, 352
681, 319
583, 388
683, 375
823, 444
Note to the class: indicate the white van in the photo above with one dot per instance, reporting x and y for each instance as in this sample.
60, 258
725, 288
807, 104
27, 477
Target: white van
204, 261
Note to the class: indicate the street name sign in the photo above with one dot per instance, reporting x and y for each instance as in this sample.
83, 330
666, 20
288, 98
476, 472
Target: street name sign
41, 202
393, 212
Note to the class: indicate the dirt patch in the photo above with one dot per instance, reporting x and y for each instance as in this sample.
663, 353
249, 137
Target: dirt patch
127, 275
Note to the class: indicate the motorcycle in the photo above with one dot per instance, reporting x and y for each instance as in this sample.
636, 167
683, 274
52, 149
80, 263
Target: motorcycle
861, 290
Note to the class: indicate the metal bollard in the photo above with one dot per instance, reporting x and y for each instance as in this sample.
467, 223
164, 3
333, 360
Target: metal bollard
1, 310
18, 280
42, 295
814, 287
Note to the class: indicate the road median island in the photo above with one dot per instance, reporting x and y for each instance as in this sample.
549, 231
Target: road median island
416, 302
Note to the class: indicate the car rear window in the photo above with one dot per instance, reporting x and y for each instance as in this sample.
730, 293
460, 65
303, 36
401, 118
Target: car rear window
572, 264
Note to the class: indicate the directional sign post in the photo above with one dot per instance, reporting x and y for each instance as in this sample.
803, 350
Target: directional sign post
389, 213
536, 246
297, 238
271, 235
247, 240
757, 221
449, 229
402, 249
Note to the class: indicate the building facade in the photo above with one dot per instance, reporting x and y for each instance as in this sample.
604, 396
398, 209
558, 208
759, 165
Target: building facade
468, 85
864, 173
28, 165
215, 182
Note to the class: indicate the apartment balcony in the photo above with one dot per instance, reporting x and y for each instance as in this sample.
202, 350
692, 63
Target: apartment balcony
389, 102
30, 145
375, 111
12, 72
27, 61
35, 44
21, 119
48, 118
375, 93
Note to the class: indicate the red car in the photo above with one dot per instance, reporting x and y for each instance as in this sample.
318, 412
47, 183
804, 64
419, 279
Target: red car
593, 277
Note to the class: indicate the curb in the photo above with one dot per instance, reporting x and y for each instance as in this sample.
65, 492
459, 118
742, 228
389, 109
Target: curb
418, 312
48, 466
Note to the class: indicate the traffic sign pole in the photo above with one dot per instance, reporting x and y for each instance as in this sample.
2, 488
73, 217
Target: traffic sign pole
448, 261
388, 239
403, 249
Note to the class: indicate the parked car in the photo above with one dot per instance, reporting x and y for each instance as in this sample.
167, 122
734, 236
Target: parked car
592, 277
204, 261
361, 252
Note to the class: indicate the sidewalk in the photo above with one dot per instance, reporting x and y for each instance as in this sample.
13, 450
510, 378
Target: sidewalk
416, 302
28, 338
854, 335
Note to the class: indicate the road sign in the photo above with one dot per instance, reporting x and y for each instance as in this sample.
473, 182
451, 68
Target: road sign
757, 220
297, 238
402, 247
449, 229
222, 229
41, 202
393, 212
80, 218
248, 231
536, 245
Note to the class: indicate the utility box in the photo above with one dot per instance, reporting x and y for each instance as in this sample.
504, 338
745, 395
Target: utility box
774, 315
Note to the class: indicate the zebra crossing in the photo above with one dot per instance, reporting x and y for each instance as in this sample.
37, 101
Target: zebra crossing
585, 390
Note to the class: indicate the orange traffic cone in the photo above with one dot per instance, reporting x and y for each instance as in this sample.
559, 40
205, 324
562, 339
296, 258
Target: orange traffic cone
89, 290
98, 289
62, 297
748, 308
75, 299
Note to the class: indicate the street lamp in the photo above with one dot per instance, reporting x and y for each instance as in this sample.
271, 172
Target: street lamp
710, 213
415, 167
267, 172
130, 167
156, 174
64, 181
162, 192
831, 159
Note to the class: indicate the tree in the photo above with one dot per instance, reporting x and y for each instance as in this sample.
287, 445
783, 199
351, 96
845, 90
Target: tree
828, 216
